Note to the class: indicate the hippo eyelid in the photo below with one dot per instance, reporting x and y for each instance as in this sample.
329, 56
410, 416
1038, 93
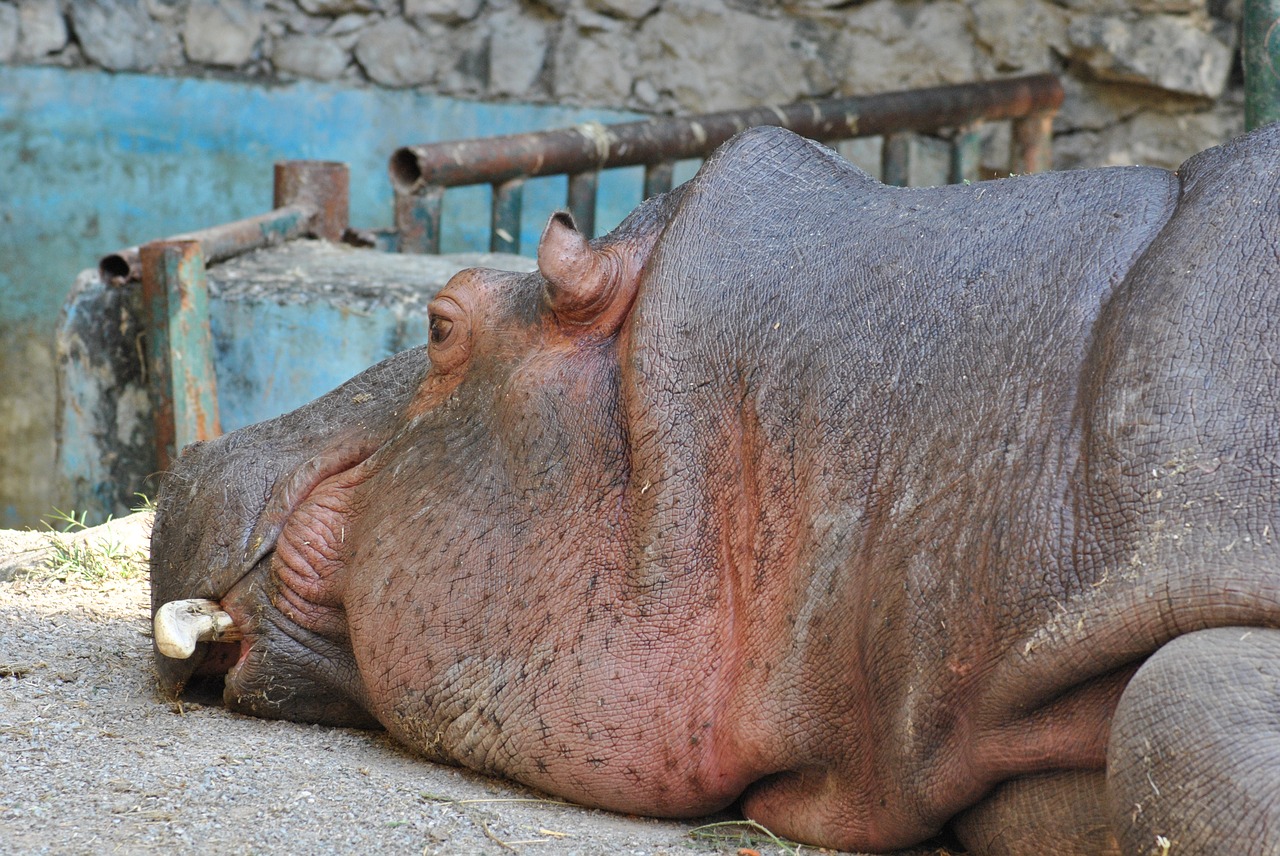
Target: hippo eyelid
440, 328
443, 315
448, 332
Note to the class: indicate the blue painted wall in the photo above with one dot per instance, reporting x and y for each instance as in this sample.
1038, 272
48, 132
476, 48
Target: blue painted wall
92, 161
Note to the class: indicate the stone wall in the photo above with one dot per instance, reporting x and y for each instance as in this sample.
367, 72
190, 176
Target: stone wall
1148, 81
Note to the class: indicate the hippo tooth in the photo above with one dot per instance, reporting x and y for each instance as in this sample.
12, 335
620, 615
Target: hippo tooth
180, 624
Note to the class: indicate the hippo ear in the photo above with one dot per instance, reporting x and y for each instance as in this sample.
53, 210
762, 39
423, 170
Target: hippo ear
580, 280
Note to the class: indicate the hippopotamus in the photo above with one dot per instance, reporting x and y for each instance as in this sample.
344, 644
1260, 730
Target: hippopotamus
876, 514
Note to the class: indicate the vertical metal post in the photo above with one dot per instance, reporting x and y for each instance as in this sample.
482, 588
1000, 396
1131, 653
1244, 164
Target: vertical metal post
321, 185
966, 154
582, 201
1261, 55
508, 199
895, 159
1031, 144
418, 221
183, 388
658, 178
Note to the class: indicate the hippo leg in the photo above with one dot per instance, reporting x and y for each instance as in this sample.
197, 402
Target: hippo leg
1191, 763
1051, 814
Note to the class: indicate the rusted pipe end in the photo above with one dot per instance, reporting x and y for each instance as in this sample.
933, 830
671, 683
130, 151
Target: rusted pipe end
120, 267
405, 170
321, 185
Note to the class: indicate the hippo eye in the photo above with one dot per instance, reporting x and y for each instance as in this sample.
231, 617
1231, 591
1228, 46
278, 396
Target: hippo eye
440, 329
449, 334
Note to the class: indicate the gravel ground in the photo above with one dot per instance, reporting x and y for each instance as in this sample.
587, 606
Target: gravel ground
97, 761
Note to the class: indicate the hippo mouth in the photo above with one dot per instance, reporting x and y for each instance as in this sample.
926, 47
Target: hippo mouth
257, 609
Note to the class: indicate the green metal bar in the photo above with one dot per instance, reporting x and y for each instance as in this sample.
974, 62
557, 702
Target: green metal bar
418, 220
895, 159
508, 199
966, 154
582, 201
1261, 54
183, 388
658, 178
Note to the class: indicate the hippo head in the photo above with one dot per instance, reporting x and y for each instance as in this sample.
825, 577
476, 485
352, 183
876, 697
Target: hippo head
408, 549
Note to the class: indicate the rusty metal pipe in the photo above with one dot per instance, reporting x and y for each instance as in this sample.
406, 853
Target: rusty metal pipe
323, 186
219, 242
593, 146
311, 198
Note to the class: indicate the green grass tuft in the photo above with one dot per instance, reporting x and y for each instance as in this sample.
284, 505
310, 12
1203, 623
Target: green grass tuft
92, 560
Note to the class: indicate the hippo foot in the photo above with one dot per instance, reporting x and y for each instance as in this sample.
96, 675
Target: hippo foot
1190, 767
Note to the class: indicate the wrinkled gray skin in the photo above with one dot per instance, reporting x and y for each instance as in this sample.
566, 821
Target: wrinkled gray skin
878, 512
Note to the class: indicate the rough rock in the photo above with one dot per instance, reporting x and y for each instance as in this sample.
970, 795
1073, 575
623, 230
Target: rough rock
464, 56
396, 54
1117, 7
1092, 106
452, 11
646, 93
8, 33
1123, 57
310, 56
556, 7
882, 48
633, 9
866, 48
1231, 11
347, 24
517, 52
167, 10
752, 62
596, 57
43, 28
222, 32
814, 44
1020, 36
120, 35
339, 7
813, 5
1150, 139
933, 35
1168, 52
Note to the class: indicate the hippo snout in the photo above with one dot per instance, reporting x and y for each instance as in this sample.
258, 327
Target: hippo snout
219, 606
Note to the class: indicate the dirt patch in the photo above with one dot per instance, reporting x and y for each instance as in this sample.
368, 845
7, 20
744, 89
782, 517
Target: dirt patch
97, 761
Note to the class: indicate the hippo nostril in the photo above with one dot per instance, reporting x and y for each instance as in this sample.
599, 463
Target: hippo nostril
180, 624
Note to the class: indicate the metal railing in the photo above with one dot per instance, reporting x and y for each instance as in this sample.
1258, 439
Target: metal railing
420, 174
